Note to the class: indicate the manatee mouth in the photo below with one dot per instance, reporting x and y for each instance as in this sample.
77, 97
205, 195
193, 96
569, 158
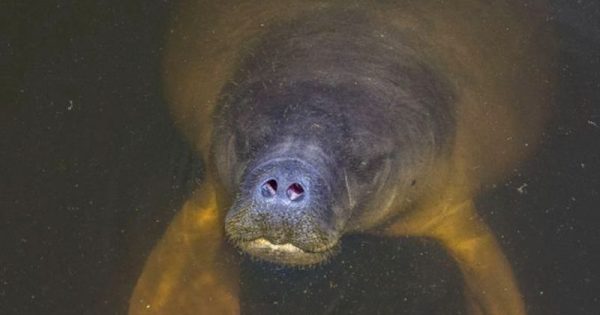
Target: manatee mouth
287, 254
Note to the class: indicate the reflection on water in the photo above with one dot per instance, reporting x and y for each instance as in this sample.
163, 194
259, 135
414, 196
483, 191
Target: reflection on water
96, 171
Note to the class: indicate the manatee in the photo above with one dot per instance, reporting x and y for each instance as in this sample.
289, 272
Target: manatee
319, 119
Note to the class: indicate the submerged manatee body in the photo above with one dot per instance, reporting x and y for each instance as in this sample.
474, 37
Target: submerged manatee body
316, 119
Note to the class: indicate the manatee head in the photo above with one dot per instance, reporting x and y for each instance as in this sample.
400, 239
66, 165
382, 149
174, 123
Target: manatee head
298, 169
324, 130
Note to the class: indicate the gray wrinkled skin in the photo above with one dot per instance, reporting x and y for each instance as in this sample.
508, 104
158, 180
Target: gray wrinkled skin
345, 108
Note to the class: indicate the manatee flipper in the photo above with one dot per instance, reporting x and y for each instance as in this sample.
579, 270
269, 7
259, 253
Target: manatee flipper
490, 287
190, 270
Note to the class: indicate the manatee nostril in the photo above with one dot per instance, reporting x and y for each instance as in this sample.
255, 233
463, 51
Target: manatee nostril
295, 192
269, 188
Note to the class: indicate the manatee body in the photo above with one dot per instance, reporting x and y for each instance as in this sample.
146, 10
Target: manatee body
316, 119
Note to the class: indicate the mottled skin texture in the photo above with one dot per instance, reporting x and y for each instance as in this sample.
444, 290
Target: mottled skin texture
389, 115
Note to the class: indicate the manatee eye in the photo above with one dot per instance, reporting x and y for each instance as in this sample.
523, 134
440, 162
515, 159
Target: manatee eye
366, 169
369, 165
363, 165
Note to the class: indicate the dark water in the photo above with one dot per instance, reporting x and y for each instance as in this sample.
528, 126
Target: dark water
91, 171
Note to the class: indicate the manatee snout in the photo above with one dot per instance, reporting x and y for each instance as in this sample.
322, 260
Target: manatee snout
284, 213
